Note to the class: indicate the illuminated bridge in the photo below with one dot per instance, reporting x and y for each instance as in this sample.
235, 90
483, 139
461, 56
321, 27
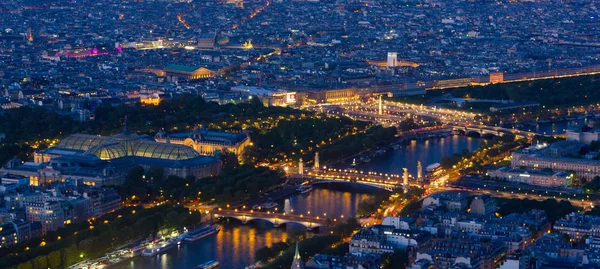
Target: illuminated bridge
384, 182
484, 130
276, 218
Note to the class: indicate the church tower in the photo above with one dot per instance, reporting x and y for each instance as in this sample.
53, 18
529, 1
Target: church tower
297, 263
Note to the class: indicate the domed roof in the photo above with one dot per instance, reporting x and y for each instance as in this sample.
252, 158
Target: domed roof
127, 140
151, 149
81, 142
107, 151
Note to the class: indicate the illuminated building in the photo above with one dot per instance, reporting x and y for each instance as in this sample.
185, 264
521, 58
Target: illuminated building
268, 97
451, 83
207, 142
337, 96
103, 160
497, 77
557, 158
175, 72
533, 177
392, 59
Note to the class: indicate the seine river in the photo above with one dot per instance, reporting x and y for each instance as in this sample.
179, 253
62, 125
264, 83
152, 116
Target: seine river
234, 246
427, 151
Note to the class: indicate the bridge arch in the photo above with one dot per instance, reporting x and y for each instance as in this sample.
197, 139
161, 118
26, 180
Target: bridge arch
276, 221
353, 183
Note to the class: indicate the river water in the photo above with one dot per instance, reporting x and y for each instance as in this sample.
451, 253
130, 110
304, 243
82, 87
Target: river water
427, 151
234, 246
551, 128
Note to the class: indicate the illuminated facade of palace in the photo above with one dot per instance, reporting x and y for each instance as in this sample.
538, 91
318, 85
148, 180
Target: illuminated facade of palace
104, 160
207, 142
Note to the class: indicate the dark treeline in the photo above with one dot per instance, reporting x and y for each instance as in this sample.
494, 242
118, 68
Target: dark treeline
548, 92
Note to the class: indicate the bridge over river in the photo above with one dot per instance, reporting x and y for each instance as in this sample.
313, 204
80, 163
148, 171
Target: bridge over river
276, 218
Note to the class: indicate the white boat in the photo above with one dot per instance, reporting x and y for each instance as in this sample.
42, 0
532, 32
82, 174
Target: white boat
305, 188
202, 232
269, 205
159, 247
208, 265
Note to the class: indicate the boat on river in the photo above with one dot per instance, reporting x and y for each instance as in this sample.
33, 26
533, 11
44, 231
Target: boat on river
202, 232
304, 188
159, 247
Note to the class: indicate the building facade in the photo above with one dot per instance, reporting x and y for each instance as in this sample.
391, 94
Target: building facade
207, 142
104, 160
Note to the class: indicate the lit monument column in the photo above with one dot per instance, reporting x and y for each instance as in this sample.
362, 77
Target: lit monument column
317, 166
419, 171
301, 167
380, 105
405, 177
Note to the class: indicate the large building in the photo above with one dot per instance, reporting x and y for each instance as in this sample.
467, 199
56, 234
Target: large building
533, 177
207, 142
174, 72
104, 160
556, 157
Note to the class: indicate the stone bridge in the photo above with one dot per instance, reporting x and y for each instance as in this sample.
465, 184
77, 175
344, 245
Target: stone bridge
276, 219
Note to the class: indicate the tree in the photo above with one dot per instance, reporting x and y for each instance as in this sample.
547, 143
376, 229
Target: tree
155, 173
40, 262
397, 260
25, 265
54, 260
229, 160
69, 255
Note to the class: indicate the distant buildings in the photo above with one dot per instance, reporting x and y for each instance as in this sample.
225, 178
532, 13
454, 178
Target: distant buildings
266, 96
458, 253
578, 226
348, 261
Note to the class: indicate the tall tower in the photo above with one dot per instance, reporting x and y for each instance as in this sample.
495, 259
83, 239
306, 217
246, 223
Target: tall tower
300, 167
392, 59
419, 171
405, 177
317, 166
380, 105
297, 262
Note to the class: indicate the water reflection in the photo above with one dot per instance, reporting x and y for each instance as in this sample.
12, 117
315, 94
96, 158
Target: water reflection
234, 246
428, 152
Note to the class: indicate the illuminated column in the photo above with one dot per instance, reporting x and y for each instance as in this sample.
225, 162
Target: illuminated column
419, 171
380, 105
405, 177
301, 167
316, 168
